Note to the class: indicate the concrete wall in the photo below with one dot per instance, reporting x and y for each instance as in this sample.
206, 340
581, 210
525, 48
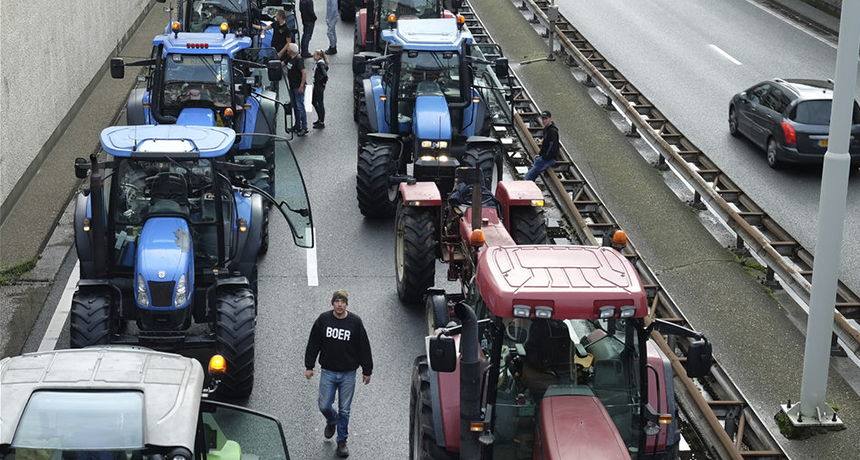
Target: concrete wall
49, 52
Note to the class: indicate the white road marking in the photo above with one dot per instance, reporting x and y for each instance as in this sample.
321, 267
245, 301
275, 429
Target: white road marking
55, 327
313, 276
792, 23
724, 54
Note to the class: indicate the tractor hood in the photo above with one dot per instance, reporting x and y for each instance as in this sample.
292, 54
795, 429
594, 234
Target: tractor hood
164, 254
195, 116
577, 427
431, 119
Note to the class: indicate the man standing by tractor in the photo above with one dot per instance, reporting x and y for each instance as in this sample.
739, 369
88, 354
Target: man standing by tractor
548, 154
340, 340
297, 79
306, 8
281, 33
331, 23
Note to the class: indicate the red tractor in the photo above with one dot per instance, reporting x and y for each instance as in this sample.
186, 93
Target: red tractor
559, 366
371, 18
427, 230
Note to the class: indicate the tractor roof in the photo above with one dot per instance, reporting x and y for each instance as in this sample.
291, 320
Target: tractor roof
201, 43
171, 385
438, 34
575, 281
176, 141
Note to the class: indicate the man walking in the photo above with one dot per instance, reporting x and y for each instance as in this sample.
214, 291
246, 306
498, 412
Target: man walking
306, 8
331, 23
340, 340
548, 147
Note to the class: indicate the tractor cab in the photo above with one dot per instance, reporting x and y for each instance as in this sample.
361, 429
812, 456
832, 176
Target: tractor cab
376, 16
566, 366
206, 16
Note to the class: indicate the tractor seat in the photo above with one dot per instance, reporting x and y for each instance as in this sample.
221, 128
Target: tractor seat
429, 88
169, 194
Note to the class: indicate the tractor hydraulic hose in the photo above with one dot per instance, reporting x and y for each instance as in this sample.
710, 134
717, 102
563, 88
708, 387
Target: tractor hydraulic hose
97, 219
470, 382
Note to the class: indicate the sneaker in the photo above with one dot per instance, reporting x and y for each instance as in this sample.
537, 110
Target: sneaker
342, 450
329, 430
319, 125
331, 50
301, 132
306, 55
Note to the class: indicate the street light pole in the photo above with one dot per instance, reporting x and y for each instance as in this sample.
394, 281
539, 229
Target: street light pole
812, 410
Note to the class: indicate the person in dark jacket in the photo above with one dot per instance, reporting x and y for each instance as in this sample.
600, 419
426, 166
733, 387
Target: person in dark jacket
340, 340
320, 78
306, 8
548, 154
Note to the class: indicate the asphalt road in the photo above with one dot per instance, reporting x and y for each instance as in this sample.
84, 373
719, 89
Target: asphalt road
667, 50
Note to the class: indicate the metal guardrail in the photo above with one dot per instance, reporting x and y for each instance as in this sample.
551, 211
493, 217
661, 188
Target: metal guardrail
726, 425
783, 255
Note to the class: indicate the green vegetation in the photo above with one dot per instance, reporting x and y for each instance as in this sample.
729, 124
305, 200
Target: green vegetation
10, 275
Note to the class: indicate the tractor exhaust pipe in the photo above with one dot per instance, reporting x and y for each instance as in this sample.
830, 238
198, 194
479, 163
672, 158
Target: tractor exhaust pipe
97, 221
470, 382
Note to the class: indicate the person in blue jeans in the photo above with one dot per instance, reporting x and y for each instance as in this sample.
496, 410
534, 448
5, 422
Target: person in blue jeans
340, 340
306, 8
297, 79
548, 154
331, 24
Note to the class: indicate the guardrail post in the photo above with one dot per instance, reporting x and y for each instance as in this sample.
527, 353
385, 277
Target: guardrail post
552, 16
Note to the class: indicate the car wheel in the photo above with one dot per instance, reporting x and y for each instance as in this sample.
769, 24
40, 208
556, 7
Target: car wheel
733, 122
772, 158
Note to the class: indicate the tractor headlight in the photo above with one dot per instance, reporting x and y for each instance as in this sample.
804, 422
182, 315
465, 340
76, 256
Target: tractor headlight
428, 148
142, 298
181, 292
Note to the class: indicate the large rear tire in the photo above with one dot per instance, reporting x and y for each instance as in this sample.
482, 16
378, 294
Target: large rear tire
234, 335
90, 322
422, 435
488, 157
347, 10
376, 163
415, 252
527, 225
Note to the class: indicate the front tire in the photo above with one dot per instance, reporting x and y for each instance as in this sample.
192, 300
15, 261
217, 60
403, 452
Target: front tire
234, 335
422, 435
415, 252
772, 156
527, 225
488, 157
733, 122
90, 319
376, 163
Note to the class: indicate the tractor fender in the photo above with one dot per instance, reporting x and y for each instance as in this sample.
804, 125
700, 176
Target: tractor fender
237, 281
373, 106
83, 240
388, 137
420, 194
361, 26
482, 139
249, 208
661, 388
136, 114
518, 193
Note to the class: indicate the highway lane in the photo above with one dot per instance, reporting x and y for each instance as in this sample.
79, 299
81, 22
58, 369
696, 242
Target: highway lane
684, 57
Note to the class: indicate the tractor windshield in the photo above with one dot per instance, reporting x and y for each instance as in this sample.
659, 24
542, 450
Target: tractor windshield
212, 13
412, 8
424, 66
201, 80
540, 357
141, 189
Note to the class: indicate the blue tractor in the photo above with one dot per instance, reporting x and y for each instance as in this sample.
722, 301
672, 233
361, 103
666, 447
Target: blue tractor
205, 79
426, 108
208, 15
168, 238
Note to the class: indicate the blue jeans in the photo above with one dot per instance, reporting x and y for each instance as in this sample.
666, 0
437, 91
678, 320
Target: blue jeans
344, 384
307, 31
538, 167
298, 102
331, 22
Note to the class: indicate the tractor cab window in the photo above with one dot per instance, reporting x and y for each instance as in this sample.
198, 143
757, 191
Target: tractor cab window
196, 81
212, 13
570, 358
442, 68
149, 188
229, 432
413, 8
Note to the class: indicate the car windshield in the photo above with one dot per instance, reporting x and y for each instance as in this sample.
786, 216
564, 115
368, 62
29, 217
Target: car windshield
214, 12
190, 77
81, 421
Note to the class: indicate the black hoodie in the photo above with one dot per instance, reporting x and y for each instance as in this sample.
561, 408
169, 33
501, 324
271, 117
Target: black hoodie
342, 344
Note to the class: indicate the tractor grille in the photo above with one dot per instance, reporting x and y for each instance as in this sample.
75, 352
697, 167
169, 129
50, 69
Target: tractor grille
162, 293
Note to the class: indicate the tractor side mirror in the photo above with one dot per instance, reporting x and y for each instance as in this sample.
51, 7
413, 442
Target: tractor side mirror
276, 72
443, 354
117, 68
501, 67
359, 64
81, 168
699, 358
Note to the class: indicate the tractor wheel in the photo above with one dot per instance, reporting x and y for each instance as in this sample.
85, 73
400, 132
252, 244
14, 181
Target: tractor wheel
488, 157
347, 11
264, 240
357, 90
527, 225
376, 163
422, 435
437, 312
357, 47
363, 120
415, 252
234, 336
90, 322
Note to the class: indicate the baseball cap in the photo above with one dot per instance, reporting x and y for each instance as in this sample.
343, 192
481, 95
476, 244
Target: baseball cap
546, 114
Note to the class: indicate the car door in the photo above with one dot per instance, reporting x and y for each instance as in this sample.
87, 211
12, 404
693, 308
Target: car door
750, 116
771, 113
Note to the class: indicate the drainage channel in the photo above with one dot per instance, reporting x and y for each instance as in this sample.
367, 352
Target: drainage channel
724, 423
